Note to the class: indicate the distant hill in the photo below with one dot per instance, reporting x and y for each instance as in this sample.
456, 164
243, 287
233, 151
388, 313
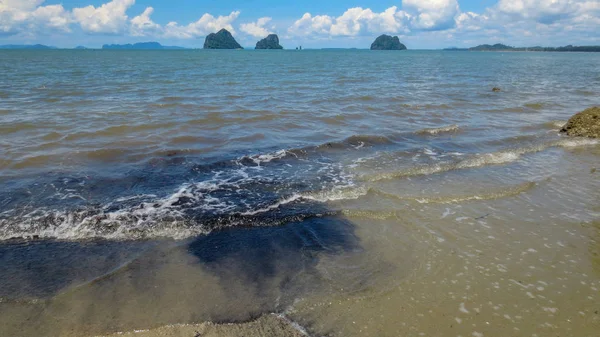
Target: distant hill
26, 46
502, 47
80, 47
487, 47
456, 49
140, 46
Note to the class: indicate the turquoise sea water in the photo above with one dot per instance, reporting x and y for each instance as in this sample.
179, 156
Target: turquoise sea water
107, 156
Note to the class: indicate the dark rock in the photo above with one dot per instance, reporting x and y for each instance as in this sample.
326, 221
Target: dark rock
496, 89
270, 42
221, 40
386, 42
584, 124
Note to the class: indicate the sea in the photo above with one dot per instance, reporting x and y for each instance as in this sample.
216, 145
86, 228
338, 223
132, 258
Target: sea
297, 193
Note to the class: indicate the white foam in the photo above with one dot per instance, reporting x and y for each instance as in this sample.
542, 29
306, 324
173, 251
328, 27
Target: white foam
274, 206
265, 158
435, 131
481, 160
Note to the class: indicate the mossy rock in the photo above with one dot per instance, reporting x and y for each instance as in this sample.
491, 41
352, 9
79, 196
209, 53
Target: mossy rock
584, 124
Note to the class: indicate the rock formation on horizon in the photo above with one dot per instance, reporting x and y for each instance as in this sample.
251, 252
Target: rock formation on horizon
221, 40
386, 42
584, 124
269, 42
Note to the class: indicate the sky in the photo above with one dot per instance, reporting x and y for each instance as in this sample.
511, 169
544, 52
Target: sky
420, 24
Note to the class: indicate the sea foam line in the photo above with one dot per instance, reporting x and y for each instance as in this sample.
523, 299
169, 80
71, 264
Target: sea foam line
480, 160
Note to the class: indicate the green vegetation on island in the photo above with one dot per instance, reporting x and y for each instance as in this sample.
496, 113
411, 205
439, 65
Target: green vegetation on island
269, 42
386, 42
503, 47
221, 40
140, 46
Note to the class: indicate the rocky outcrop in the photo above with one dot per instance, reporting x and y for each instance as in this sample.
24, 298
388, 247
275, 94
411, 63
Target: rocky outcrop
584, 124
269, 42
386, 42
221, 40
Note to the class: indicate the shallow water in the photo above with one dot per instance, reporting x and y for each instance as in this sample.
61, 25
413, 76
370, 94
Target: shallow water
352, 193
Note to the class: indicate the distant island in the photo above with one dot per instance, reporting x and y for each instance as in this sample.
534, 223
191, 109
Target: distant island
221, 40
269, 42
386, 42
503, 47
26, 46
141, 46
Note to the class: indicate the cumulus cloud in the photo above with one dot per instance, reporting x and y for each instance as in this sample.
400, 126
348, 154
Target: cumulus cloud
256, 29
109, 18
543, 11
415, 15
29, 16
142, 25
308, 24
353, 22
431, 14
471, 21
205, 25
436, 20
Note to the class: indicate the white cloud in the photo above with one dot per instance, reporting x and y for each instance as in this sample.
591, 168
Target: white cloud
256, 29
142, 25
29, 17
543, 11
205, 25
22, 5
357, 20
435, 22
53, 16
471, 21
431, 14
353, 22
308, 24
109, 18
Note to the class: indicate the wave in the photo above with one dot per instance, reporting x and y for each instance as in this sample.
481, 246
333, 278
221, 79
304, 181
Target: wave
497, 194
252, 190
479, 160
443, 129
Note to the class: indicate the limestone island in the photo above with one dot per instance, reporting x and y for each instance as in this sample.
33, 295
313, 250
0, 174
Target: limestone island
386, 42
269, 42
221, 40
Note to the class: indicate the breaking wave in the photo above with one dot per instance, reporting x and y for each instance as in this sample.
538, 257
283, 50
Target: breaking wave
443, 129
252, 190
479, 160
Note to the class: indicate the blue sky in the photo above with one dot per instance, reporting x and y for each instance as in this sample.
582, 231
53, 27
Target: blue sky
311, 23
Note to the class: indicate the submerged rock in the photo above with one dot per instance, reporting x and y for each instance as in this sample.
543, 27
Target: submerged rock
386, 42
584, 124
496, 89
221, 40
269, 42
